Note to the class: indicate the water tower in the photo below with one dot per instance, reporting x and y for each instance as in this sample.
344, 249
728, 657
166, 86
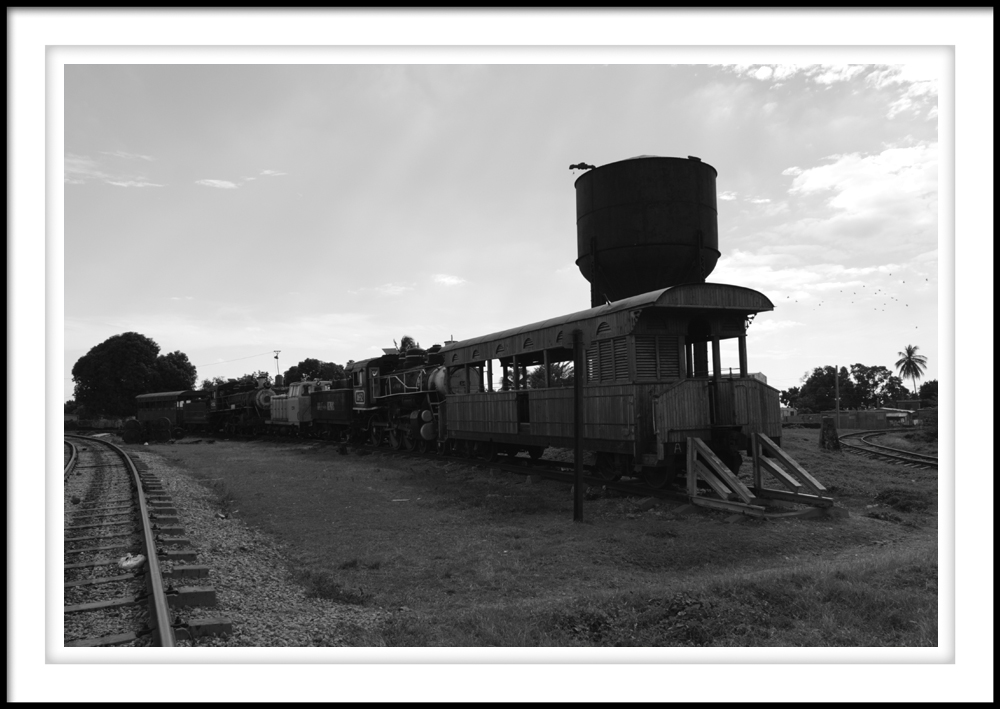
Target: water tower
644, 224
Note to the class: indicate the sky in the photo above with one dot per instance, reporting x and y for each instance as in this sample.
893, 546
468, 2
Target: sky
195, 126
327, 210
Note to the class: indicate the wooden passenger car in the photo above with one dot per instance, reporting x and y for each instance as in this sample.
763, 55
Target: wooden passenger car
171, 412
648, 385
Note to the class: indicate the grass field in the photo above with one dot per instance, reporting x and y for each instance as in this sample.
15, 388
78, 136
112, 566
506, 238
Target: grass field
463, 555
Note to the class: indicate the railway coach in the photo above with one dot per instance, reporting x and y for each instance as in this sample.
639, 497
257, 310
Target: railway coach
647, 383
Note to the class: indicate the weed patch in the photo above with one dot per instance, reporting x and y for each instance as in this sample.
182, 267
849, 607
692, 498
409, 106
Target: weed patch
904, 500
320, 584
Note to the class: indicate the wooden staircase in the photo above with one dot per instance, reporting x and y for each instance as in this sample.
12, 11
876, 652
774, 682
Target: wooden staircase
732, 495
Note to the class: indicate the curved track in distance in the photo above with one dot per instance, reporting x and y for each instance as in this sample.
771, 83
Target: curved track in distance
867, 448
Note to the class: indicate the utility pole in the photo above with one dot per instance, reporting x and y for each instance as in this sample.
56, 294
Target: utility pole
277, 363
578, 374
836, 391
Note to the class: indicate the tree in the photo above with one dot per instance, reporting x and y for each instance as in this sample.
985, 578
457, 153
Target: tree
560, 375
175, 372
110, 376
894, 390
70, 407
911, 365
789, 396
870, 384
311, 368
818, 392
929, 392
213, 382
407, 343
250, 381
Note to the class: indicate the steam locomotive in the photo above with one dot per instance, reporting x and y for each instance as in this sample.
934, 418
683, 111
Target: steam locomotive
647, 234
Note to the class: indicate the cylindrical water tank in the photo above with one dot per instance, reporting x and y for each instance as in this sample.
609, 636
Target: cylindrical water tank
644, 224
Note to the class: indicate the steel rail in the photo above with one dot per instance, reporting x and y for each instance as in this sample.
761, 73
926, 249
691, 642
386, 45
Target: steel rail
920, 456
161, 607
73, 454
912, 458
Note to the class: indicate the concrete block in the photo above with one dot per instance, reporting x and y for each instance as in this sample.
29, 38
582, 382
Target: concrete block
174, 541
181, 571
203, 627
184, 555
192, 596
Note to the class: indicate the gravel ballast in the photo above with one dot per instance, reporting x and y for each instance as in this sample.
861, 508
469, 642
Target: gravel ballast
254, 588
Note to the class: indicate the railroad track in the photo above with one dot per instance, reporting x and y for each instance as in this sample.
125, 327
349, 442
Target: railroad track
867, 448
111, 596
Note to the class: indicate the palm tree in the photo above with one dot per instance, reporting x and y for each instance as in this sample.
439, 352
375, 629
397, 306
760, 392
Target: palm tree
911, 365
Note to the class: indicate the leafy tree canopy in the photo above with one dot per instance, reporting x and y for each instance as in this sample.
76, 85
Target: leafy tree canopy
865, 387
929, 392
311, 368
818, 390
911, 365
560, 375
213, 382
110, 376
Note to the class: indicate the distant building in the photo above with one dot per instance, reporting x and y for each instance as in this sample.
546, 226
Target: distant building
787, 412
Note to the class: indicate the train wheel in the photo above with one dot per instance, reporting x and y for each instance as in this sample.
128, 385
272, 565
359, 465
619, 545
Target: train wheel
409, 443
656, 478
377, 436
395, 440
536, 452
178, 433
424, 447
132, 432
489, 452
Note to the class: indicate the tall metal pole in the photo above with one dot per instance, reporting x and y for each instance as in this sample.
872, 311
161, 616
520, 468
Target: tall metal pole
578, 374
277, 363
836, 390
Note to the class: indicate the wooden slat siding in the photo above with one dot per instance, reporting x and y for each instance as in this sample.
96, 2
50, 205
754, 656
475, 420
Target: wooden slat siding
725, 404
483, 412
758, 408
608, 412
682, 406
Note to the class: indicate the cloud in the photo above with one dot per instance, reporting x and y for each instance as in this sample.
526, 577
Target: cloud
390, 289
132, 183
81, 169
227, 185
127, 156
221, 184
902, 180
758, 200
727, 196
446, 280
